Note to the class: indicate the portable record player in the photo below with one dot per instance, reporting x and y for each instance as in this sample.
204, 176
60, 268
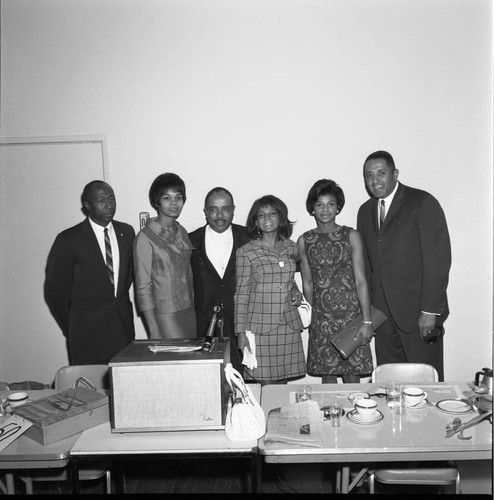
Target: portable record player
171, 384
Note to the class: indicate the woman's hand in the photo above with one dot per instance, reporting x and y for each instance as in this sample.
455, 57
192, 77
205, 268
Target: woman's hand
296, 296
243, 341
365, 332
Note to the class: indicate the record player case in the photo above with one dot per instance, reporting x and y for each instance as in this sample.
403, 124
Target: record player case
166, 391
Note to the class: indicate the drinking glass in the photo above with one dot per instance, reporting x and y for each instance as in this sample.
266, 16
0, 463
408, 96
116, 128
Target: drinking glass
393, 391
400, 405
304, 393
335, 412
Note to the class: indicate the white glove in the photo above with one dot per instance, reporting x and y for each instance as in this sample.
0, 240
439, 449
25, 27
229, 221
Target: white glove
250, 360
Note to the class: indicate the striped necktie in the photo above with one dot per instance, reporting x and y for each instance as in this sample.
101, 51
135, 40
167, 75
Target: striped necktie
109, 258
382, 213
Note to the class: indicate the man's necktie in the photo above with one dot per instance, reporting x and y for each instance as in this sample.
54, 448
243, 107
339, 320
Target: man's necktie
109, 258
382, 213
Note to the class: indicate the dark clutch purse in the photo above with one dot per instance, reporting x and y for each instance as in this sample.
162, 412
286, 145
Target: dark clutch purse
343, 341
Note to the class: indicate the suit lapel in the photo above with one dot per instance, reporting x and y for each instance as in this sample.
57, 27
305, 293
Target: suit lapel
93, 245
395, 206
122, 278
202, 250
375, 216
236, 243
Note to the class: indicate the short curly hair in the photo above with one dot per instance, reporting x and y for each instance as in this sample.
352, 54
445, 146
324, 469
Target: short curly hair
325, 187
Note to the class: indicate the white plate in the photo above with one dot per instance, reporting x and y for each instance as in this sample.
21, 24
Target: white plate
453, 406
421, 405
354, 417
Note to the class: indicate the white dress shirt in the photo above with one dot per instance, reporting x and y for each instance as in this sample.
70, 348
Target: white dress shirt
99, 231
219, 248
387, 202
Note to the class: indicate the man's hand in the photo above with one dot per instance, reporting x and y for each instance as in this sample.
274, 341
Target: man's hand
427, 322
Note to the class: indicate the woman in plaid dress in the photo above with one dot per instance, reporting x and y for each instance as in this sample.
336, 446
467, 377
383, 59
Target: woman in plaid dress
267, 297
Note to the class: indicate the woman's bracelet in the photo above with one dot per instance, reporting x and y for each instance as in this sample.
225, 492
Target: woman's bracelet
367, 322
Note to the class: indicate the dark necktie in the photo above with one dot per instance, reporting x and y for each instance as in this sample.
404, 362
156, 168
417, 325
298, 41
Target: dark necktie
382, 213
109, 258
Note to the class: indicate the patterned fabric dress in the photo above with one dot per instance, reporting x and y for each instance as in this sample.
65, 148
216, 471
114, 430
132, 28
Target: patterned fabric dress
334, 304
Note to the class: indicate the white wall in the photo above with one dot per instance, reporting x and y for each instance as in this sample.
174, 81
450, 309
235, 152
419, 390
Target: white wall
267, 96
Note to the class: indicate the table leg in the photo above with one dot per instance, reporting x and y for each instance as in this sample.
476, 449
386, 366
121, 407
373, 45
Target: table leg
9, 480
120, 476
73, 471
345, 478
255, 472
338, 481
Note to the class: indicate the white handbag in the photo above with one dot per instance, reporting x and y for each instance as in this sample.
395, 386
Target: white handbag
245, 420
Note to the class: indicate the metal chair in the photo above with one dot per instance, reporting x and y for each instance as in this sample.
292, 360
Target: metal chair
405, 372
66, 378
412, 473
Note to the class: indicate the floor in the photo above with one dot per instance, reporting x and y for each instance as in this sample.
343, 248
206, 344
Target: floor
230, 477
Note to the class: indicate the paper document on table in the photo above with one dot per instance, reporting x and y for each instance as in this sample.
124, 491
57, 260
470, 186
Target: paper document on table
12, 428
178, 345
173, 348
299, 424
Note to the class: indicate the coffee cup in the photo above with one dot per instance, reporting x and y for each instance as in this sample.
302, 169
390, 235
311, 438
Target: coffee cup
14, 400
414, 396
356, 396
366, 408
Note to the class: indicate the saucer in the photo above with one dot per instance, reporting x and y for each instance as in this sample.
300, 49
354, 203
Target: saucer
421, 405
354, 417
454, 406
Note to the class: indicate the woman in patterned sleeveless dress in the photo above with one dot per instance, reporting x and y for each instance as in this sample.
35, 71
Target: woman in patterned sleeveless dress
334, 283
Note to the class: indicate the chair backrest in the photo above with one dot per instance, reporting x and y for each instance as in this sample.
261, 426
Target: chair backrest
405, 372
98, 375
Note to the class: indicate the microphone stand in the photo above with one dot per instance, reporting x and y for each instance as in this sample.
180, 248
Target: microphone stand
219, 316
208, 340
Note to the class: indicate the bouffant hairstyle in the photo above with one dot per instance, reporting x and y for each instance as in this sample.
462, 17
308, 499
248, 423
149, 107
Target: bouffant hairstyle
162, 184
324, 187
286, 225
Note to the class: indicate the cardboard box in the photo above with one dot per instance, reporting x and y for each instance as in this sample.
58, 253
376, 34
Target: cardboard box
166, 391
64, 414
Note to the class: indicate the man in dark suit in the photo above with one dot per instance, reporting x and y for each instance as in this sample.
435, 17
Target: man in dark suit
408, 261
213, 265
88, 279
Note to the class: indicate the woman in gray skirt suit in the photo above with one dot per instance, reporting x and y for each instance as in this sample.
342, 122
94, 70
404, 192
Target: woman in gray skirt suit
267, 297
